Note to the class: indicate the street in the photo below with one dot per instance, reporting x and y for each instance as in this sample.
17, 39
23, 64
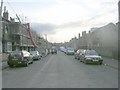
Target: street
60, 71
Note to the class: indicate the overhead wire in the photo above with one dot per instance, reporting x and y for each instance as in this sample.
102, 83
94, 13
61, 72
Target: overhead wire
18, 18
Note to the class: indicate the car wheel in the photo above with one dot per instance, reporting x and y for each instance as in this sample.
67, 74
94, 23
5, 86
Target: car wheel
38, 59
80, 60
8, 63
32, 62
75, 57
10, 66
100, 63
84, 62
26, 65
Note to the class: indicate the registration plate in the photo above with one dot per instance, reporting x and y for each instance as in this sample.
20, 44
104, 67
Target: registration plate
95, 60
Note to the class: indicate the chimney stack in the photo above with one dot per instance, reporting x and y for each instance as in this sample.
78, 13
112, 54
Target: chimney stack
79, 35
5, 14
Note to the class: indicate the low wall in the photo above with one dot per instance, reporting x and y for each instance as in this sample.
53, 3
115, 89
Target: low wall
4, 57
107, 51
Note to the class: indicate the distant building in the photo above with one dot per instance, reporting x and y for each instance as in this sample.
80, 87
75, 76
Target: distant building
73, 43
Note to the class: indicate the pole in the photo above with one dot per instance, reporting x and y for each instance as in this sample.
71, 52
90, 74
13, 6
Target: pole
1, 30
1, 44
118, 29
119, 11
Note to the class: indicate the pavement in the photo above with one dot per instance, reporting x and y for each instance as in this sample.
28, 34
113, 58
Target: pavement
107, 61
111, 62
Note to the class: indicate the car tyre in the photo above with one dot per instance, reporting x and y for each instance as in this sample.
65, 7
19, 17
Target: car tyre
10, 66
26, 64
100, 63
32, 62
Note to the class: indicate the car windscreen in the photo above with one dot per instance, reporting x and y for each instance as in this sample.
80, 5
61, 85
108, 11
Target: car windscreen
70, 49
91, 52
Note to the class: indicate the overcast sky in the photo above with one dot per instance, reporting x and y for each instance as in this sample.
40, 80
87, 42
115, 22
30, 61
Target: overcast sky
62, 20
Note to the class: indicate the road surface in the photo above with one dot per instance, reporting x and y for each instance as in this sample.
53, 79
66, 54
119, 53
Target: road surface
60, 71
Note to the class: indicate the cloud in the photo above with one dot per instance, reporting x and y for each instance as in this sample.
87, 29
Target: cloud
43, 28
98, 20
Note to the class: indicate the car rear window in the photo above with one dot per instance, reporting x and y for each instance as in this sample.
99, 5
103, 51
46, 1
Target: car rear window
16, 53
33, 52
91, 52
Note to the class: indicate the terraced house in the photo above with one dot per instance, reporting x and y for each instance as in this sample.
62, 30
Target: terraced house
103, 39
17, 36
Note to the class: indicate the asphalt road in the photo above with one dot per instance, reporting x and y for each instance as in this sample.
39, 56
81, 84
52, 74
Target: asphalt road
60, 71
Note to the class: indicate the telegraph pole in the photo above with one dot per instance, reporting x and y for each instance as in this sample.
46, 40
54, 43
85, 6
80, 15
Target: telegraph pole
118, 29
119, 10
1, 30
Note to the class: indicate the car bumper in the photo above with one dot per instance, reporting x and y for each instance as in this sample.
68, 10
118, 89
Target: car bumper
70, 53
34, 58
94, 61
16, 62
53, 52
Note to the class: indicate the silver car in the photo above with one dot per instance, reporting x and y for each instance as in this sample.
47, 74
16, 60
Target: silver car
36, 55
90, 56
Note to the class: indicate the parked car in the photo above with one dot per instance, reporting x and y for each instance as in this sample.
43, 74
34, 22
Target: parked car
65, 50
36, 55
62, 48
53, 50
77, 54
90, 56
70, 51
19, 58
